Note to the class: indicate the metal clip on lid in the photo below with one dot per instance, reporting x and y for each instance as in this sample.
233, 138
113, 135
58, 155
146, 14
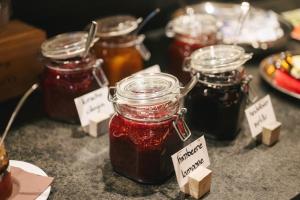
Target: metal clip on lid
181, 127
102, 80
248, 89
142, 49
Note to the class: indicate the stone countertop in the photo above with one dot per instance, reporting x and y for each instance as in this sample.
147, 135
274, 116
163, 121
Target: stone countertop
242, 169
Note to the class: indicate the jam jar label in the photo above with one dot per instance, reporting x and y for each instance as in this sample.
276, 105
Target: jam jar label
92, 105
259, 114
189, 159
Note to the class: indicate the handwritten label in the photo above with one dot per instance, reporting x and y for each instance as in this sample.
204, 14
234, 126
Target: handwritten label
151, 69
93, 104
260, 113
189, 159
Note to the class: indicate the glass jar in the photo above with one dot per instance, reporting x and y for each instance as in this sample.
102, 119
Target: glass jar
216, 104
121, 49
147, 128
68, 75
190, 32
5, 175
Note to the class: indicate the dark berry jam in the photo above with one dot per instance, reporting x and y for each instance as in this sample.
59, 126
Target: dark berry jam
216, 112
62, 82
142, 151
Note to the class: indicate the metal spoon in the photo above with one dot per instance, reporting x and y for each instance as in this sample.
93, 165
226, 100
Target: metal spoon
146, 20
245, 7
90, 38
19, 105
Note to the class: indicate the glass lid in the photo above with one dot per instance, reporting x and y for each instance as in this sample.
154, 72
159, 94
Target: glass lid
147, 88
66, 45
218, 58
117, 25
192, 24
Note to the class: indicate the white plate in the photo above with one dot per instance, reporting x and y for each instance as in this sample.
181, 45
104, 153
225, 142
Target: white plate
32, 169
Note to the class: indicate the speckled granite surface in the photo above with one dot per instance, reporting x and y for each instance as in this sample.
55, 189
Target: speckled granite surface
241, 169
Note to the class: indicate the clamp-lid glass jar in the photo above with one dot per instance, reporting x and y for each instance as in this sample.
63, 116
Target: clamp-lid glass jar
148, 127
190, 32
216, 104
121, 49
68, 74
5, 175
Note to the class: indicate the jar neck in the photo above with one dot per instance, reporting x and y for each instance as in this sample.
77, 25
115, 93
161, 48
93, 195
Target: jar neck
123, 41
203, 39
224, 79
148, 113
71, 64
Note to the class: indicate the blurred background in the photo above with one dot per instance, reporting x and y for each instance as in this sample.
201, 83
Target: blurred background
57, 16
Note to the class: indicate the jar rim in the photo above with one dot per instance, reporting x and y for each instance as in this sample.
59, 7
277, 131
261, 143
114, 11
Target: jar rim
65, 45
89, 65
217, 59
147, 89
117, 25
133, 40
193, 24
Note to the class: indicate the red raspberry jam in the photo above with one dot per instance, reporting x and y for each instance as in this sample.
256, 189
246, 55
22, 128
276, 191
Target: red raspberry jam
62, 84
68, 75
142, 133
142, 150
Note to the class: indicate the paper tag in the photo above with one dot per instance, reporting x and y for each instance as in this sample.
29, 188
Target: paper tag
190, 158
152, 69
93, 104
260, 113
292, 16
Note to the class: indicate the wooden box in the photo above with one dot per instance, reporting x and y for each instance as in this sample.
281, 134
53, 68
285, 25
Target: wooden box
19, 65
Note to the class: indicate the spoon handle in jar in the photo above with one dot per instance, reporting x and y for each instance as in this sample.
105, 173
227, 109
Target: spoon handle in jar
19, 105
245, 7
147, 19
90, 37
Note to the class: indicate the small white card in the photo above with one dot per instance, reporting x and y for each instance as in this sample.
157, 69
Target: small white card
189, 159
151, 69
260, 113
92, 104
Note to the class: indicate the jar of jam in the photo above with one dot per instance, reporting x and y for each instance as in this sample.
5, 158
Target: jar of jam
68, 74
216, 104
148, 127
121, 49
5, 175
190, 32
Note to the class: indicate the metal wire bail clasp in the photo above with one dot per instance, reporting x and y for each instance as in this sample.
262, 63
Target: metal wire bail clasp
247, 89
99, 74
181, 127
142, 49
112, 94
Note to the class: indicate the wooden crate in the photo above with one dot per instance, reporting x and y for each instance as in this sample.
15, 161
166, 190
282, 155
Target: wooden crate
19, 65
